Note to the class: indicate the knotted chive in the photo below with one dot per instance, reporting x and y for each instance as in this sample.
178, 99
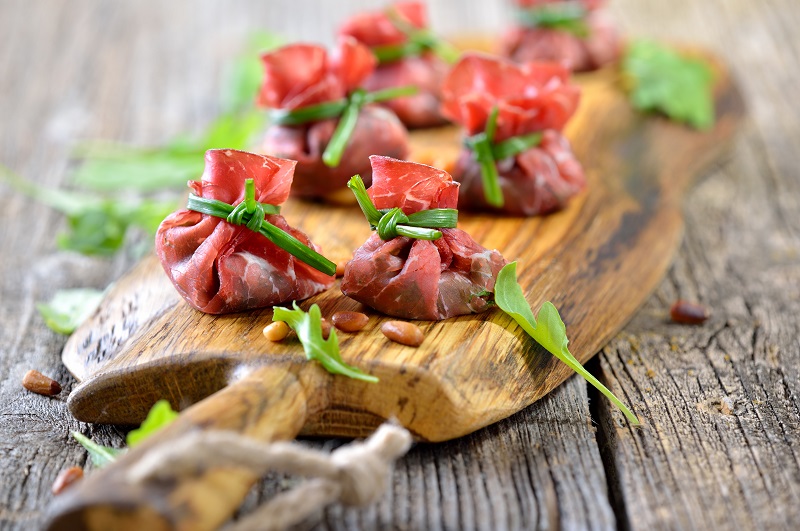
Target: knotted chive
390, 223
419, 41
346, 109
566, 16
251, 214
487, 153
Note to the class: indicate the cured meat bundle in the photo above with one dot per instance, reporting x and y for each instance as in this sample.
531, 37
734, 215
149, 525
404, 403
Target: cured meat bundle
418, 278
318, 108
571, 32
400, 39
516, 159
221, 267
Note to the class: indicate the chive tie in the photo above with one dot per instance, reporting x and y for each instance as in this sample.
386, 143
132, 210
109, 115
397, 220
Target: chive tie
486, 153
391, 223
346, 109
418, 41
252, 215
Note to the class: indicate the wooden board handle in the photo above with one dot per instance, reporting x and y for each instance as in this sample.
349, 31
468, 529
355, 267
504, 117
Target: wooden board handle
267, 404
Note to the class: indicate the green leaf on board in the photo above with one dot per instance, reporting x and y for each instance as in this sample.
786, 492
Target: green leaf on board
101, 230
101, 455
308, 327
108, 166
69, 308
549, 331
661, 79
159, 416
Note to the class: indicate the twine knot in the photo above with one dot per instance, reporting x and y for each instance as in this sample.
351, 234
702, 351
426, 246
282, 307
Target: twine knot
356, 474
364, 468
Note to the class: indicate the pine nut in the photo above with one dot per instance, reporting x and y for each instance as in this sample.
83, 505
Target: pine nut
276, 331
688, 312
349, 321
340, 266
66, 478
403, 333
39, 383
326, 328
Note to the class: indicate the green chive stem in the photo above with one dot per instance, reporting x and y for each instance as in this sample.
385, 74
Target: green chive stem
390, 93
419, 41
393, 222
487, 153
255, 221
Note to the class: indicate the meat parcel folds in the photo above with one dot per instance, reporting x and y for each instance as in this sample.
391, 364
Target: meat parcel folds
299, 77
414, 278
574, 33
220, 267
383, 31
528, 105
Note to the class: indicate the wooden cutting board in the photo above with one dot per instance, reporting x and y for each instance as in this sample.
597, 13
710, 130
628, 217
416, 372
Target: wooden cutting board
597, 261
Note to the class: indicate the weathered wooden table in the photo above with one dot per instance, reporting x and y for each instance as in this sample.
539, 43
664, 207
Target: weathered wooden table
720, 401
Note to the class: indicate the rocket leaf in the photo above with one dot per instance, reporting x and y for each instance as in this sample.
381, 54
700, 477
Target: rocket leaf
159, 416
549, 331
308, 327
69, 308
663, 80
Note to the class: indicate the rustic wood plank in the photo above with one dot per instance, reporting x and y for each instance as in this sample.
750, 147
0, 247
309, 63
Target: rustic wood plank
719, 450
117, 81
538, 469
736, 470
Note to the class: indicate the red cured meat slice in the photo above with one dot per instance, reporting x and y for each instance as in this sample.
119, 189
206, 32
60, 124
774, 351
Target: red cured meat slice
538, 181
425, 71
376, 28
301, 75
578, 54
378, 131
530, 97
418, 279
218, 267
536, 97
588, 4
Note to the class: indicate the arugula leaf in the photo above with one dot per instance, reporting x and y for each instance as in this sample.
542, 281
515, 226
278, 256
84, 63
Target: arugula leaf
112, 167
119, 167
101, 455
97, 224
308, 327
69, 308
109, 166
663, 80
159, 416
101, 229
550, 331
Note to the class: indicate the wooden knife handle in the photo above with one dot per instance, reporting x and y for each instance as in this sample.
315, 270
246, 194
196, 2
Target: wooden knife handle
268, 404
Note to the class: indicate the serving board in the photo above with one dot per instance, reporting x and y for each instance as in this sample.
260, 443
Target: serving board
597, 261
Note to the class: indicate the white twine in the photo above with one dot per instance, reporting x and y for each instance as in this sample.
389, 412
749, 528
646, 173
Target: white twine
355, 474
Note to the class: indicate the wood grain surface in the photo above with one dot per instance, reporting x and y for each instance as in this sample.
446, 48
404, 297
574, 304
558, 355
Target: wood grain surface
720, 400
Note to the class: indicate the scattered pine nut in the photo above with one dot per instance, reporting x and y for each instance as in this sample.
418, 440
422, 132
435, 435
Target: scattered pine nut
689, 312
276, 331
349, 321
326, 328
403, 333
66, 478
37, 382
